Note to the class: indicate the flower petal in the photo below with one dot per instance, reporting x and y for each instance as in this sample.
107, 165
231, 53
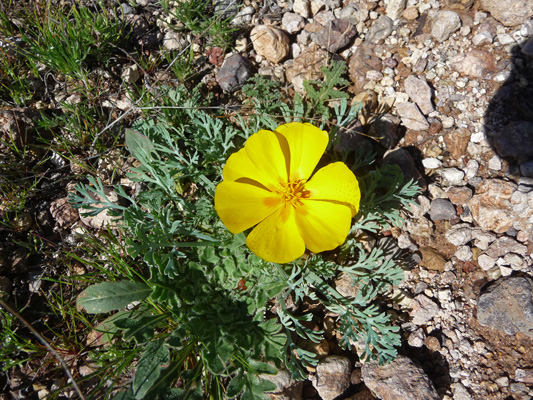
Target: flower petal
323, 225
262, 160
239, 164
277, 238
307, 144
335, 183
242, 205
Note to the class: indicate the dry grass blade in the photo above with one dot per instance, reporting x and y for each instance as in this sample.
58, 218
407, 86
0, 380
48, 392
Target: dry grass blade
46, 344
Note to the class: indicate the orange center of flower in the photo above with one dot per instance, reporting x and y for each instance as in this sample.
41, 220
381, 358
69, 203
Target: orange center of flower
294, 192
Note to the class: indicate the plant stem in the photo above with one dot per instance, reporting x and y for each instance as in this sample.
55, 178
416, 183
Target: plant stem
46, 344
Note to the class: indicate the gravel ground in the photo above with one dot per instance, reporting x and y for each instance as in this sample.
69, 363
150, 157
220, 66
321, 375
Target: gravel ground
452, 83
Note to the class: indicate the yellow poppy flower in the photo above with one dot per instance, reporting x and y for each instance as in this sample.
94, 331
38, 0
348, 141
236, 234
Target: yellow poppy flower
266, 183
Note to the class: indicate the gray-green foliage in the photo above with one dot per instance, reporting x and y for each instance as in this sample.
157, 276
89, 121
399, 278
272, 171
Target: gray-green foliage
270, 105
319, 93
211, 300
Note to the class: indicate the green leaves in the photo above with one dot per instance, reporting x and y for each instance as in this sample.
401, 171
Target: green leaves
216, 355
111, 296
236, 385
205, 326
385, 192
319, 92
139, 145
139, 325
149, 367
68, 42
253, 386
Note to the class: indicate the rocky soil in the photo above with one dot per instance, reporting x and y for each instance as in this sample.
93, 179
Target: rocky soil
448, 94
447, 90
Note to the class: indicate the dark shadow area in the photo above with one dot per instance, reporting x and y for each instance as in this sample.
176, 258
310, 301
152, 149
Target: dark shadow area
509, 116
431, 361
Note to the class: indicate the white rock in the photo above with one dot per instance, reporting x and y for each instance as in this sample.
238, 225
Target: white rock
173, 41
374, 75
519, 202
460, 392
465, 30
494, 273
241, 44
506, 271
395, 9
502, 76
513, 260
35, 283
452, 176
477, 137
417, 338
387, 81
486, 262
302, 7
482, 239
244, 16
502, 381
505, 39
522, 236
482, 38
480, 17
464, 253
292, 23
400, 97
424, 310
448, 122
296, 50
471, 169
405, 242
131, 74
444, 295
459, 234
444, 24
437, 192
421, 208
495, 163
316, 6
411, 116
431, 163
420, 92
423, 7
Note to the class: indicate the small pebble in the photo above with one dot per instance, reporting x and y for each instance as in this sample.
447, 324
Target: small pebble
441, 209
431, 163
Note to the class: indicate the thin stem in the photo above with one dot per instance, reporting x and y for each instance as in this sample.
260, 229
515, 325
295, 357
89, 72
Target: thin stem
46, 344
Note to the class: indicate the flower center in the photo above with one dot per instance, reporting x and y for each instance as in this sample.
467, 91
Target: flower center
294, 192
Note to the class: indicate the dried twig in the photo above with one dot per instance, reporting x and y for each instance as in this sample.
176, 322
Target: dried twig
46, 344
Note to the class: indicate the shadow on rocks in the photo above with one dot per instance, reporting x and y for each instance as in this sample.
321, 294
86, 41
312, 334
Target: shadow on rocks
509, 116
431, 360
380, 135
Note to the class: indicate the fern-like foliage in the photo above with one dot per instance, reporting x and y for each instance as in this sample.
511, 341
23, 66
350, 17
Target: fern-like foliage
217, 317
320, 93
